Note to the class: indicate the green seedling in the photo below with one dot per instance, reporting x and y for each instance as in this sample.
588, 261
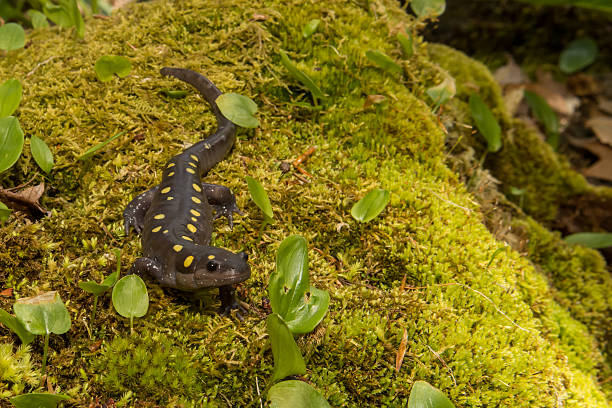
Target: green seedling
407, 43
287, 357
174, 93
92, 150
302, 77
383, 61
10, 96
109, 65
310, 28
300, 305
41, 153
596, 240
239, 109
38, 19
260, 198
428, 8
519, 192
97, 289
12, 323
39, 400
545, 115
441, 93
371, 205
130, 298
486, 123
497, 252
11, 142
424, 395
579, 54
42, 315
5, 212
12, 37
66, 14
295, 394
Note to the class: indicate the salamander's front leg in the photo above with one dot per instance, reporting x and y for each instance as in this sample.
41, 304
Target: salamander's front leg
222, 200
150, 267
134, 213
229, 302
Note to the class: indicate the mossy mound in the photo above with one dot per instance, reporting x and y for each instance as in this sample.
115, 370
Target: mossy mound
486, 333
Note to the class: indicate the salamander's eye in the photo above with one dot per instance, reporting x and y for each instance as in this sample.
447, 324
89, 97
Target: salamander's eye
212, 266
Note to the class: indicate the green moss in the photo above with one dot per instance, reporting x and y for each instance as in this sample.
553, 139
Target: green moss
16, 370
485, 335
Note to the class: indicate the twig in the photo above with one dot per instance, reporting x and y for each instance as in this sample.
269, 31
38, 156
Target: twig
39, 64
443, 362
450, 202
258, 392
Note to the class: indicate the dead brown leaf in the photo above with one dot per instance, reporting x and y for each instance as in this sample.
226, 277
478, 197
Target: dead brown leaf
7, 292
602, 127
555, 93
601, 169
259, 17
25, 200
401, 351
373, 100
510, 74
604, 104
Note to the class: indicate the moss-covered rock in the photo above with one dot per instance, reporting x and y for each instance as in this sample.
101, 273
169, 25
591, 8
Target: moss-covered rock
486, 333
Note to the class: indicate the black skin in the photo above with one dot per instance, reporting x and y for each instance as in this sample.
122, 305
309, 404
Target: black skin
176, 216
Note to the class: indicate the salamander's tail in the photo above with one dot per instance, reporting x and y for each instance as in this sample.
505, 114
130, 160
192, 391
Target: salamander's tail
215, 147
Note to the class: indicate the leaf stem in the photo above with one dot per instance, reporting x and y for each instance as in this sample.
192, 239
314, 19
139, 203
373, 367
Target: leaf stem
45, 353
131, 325
93, 312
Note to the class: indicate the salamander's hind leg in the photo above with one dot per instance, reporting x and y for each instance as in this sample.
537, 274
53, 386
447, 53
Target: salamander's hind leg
151, 267
134, 213
222, 200
229, 302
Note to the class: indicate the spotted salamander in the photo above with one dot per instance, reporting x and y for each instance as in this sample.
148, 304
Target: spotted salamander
176, 216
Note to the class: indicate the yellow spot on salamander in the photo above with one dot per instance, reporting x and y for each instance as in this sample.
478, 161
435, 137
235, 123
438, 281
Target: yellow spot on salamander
170, 165
165, 232
194, 157
190, 171
171, 174
211, 257
186, 238
206, 146
159, 217
191, 228
170, 198
188, 261
196, 187
194, 212
156, 229
196, 200
194, 219
165, 190
193, 164
177, 248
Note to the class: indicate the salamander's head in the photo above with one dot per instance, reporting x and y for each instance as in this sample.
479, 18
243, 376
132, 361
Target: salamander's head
218, 267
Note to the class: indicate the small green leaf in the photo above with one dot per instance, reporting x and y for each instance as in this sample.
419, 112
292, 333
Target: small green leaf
5, 212
130, 297
383, 61
15, 325
290, 281
43, 314
39, 400
594, 240
111, 279
486, 123
12, 37
41, 153
239, 109
310, 28
304, 316
260, 197
407, 44
371, 205
11, 142
94, 287
76, 17
58, 13
497, 252
38, 19
174, 93
108, 65
295, 394
544, 113
287, 357
300, 76
442, 92
10, 96
424, 395
579, 54
428, 8
90, 152
517, 191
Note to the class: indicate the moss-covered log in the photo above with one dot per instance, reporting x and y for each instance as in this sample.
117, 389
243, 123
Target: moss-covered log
500, 333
